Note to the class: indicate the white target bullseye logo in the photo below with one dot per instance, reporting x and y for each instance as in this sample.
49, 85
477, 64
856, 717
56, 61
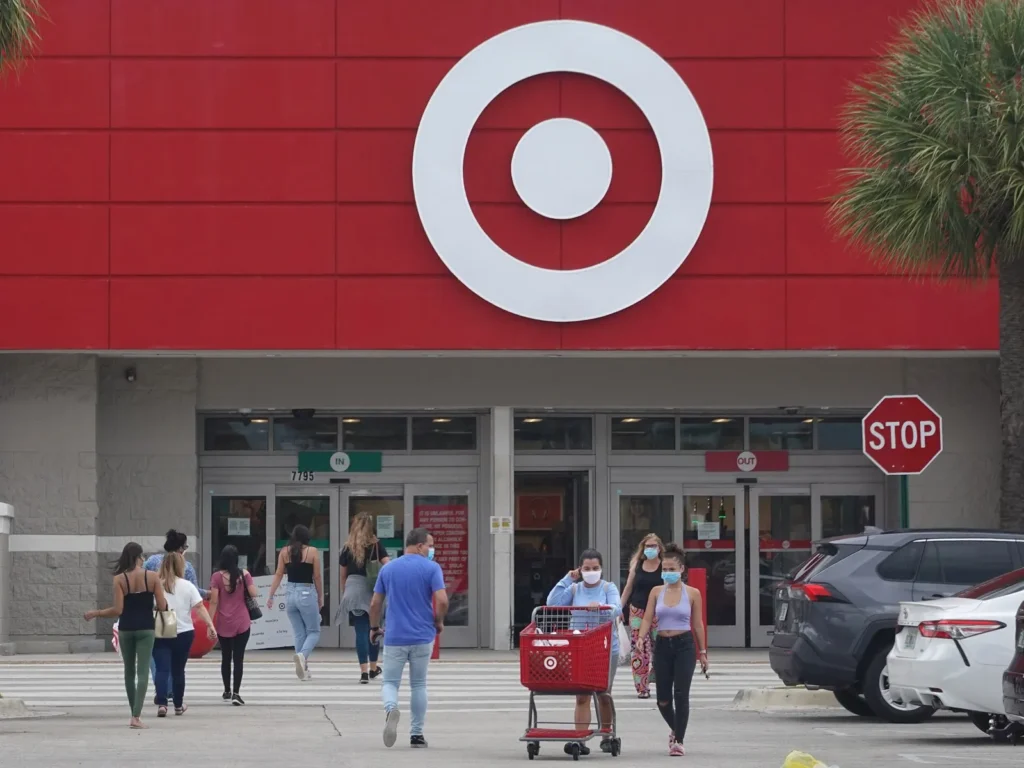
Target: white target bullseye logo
562, 169
550, 662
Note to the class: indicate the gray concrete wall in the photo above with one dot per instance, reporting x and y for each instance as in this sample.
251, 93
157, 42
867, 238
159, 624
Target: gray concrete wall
48, 473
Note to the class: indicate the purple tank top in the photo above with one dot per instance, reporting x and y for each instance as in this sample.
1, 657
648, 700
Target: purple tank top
673, 617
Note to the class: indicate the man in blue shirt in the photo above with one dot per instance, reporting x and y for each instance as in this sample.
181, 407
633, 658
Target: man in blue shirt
417, 603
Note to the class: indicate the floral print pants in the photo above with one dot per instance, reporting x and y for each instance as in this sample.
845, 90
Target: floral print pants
642, 651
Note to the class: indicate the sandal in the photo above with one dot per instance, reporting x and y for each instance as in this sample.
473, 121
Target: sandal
161, 711
182, 710
643, 695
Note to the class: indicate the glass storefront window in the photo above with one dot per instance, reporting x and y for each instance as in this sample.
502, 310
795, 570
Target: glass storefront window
554, 433
716, 556
316, 434
773, 434
444, 433
447, 519
236, 434
844, 515
722, 433
784, 536
643, 433
840, 434
314, 512
640, 516
375, 433
241, 521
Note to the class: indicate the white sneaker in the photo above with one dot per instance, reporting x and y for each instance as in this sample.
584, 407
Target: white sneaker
391, 727
300, 666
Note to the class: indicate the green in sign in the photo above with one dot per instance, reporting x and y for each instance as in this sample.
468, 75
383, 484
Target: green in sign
339, 461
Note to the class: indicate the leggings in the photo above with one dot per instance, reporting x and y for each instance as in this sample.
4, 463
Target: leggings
136, 651
641, 655
232, 649
365, 650
675, 659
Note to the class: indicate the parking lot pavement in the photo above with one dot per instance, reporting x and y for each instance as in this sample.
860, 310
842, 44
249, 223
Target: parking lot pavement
214, 735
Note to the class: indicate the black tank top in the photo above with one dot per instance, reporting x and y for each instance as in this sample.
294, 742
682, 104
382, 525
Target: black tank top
299, 573
643, 583
137, 613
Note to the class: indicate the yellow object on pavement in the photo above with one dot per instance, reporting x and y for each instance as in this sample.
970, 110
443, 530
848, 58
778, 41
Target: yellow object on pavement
802, 760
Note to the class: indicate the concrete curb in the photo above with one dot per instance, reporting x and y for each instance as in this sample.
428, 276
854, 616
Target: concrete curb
758, 699
11, 708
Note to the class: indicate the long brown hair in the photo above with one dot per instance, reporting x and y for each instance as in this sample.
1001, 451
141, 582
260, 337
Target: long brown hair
639, 552
172, 568
360, 538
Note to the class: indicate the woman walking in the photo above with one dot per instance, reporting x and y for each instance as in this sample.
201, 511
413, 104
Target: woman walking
681, 641
135, 592
175, 541
644, 575
171, 654
584, 587
228, 587
360, 561
305, 595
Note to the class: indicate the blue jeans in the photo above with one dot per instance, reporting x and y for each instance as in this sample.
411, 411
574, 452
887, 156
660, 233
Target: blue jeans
152, 673
395, 658
303, 608
365, 650
171, 656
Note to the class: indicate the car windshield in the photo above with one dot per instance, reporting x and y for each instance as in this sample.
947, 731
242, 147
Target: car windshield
1000, 586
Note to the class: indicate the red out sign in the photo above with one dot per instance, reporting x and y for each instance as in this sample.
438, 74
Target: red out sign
902, 434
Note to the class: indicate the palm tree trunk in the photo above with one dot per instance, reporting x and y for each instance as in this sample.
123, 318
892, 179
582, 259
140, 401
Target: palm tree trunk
1011, 401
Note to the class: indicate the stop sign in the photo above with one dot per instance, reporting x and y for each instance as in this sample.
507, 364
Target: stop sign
902, 434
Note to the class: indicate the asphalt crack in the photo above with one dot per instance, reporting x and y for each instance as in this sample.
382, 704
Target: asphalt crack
327, 717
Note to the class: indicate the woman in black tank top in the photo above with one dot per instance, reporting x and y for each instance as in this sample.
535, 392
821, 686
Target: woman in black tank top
305, 599
644, 575
136, 590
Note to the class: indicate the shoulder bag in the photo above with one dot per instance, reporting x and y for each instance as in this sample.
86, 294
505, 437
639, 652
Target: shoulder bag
250, 602
373, 567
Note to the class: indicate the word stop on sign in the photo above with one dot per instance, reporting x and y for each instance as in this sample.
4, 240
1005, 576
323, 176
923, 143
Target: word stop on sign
901, 434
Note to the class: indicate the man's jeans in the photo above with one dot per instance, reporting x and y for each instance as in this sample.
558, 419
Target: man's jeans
395, 658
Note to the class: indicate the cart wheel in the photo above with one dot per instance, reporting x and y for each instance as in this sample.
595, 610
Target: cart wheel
532, 749
616, 747
575, 751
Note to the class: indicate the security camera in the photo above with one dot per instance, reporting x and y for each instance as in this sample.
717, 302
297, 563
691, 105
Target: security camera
129, 375
303, 414
792, 410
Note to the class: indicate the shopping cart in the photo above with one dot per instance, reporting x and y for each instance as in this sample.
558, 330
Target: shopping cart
568, 652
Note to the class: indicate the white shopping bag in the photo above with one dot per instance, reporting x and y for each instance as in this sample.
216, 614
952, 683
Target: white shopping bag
116, 641
624, 647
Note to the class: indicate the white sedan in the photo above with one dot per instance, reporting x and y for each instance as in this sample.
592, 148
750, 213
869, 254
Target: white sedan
951, 653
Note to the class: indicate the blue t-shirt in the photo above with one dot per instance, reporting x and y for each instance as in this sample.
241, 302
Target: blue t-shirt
409, 583
566, 593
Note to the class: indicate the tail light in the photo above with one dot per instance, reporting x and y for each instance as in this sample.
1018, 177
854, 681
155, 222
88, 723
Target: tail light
815, 593
958, 629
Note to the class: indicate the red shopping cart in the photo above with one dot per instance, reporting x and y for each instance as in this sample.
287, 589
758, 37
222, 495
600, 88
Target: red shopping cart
568, 652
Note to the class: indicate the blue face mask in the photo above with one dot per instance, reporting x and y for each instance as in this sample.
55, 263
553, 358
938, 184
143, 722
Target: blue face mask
671, 577
430, 554
651, 553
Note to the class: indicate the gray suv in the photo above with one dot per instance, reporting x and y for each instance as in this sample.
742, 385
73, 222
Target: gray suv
835, 617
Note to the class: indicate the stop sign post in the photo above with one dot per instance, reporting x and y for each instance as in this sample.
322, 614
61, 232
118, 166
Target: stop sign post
902, 434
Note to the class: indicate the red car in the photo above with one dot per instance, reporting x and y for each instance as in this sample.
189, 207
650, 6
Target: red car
1013, 678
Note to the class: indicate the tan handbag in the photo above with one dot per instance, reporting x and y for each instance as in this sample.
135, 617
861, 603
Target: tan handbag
166, 624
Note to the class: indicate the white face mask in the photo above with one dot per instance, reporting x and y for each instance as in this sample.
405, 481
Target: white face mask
591, 578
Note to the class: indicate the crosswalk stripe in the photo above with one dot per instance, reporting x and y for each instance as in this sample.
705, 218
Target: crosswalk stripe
493, 687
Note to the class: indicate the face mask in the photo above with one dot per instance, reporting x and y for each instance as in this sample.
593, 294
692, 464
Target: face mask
591, 577
650, 553
430, 554
671, 577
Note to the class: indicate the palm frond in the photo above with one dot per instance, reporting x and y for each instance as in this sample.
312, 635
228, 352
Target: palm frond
937, 132
19, 31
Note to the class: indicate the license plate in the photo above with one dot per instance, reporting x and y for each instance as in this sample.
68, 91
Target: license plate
783, 611
909, 639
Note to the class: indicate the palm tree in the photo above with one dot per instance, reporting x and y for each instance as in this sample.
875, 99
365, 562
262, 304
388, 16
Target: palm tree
19, 32
938, 133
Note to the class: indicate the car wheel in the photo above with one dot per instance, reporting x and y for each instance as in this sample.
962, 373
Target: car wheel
854, 702
982, 721
876, 694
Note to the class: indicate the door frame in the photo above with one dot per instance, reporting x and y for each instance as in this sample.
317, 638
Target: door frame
467, 636
617, 490
760, 635
734, 636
